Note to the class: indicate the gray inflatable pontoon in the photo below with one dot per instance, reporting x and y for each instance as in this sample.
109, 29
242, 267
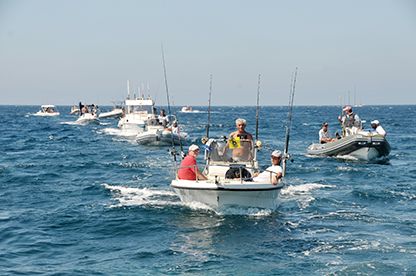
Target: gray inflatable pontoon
363, 145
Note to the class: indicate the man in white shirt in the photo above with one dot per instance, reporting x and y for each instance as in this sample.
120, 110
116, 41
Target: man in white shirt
378, 128
324, 134
272, 173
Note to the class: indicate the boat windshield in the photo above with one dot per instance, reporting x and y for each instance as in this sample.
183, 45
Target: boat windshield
141, 109
230, 151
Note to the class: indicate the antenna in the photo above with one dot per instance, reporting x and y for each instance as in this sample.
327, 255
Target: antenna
258, 108
209, 105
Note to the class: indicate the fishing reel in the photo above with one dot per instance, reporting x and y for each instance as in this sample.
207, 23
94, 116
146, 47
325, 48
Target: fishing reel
259, 144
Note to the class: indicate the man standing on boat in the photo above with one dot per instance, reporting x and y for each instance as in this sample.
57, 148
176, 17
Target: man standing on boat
240, 141
272, 173
188, 169
350, 122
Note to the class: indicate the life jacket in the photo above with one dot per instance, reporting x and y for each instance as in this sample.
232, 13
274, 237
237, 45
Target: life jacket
349, 120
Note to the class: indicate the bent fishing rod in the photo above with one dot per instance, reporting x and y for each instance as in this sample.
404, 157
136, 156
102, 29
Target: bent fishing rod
289, 120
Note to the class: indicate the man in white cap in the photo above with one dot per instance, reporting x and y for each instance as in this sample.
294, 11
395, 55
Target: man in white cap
272, 173
378, 128
188, 169
350, 120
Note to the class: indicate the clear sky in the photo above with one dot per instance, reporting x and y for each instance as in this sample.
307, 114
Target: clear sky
63, 52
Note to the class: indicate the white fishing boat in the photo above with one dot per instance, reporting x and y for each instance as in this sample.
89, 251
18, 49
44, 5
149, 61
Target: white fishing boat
47, 110
137, 112
230, 180
232, 171
357, 144
187, 109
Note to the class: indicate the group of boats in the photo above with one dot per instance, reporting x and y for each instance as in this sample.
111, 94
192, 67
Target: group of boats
229, 181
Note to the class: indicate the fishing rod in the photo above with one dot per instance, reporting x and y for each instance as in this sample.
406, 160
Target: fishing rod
173, 150
289, 120
258, 108
209, 106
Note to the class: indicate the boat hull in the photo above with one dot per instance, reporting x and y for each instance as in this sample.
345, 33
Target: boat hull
226, 195
87, 118
366, 147
46, 114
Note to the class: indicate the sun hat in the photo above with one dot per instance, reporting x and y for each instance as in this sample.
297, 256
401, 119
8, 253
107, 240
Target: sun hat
277, 153
193, 147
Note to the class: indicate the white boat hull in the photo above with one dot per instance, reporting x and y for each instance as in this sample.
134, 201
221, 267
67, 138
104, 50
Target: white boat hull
87, 118
226, 195
113, 113
46, 114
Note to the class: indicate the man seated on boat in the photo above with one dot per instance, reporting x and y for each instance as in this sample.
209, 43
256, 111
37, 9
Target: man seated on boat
378, 128
163, 120
188, 169
272, 173
350, 121
324, 134
240, 141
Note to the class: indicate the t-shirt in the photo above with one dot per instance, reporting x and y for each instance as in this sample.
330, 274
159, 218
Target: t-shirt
380, 130
323, 134
187, 168
265, 176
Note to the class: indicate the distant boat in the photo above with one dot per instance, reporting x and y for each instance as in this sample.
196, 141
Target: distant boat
87, 118
88, 114
155, 133
47, 110
187, 109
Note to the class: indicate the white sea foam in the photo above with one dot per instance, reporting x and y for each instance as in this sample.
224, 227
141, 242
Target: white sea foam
347, 157
303, 189
302, 193
127, 196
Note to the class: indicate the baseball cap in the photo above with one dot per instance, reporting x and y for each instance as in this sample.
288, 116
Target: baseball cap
193, 147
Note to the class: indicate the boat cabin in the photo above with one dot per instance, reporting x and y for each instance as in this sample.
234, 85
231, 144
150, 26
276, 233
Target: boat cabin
227, 156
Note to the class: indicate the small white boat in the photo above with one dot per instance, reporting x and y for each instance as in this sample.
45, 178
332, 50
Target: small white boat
230, 182
155, 133
47, 110
87, 118
116, 112
360, 145
187, 109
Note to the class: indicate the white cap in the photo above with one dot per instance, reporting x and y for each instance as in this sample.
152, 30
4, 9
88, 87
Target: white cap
346, 108
193, 147
375, 122
277, 153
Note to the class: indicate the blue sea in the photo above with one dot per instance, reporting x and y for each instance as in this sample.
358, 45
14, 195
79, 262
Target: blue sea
82, 200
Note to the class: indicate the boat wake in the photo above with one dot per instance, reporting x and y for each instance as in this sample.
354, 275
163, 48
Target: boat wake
126, 196
118, 132
302, 193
